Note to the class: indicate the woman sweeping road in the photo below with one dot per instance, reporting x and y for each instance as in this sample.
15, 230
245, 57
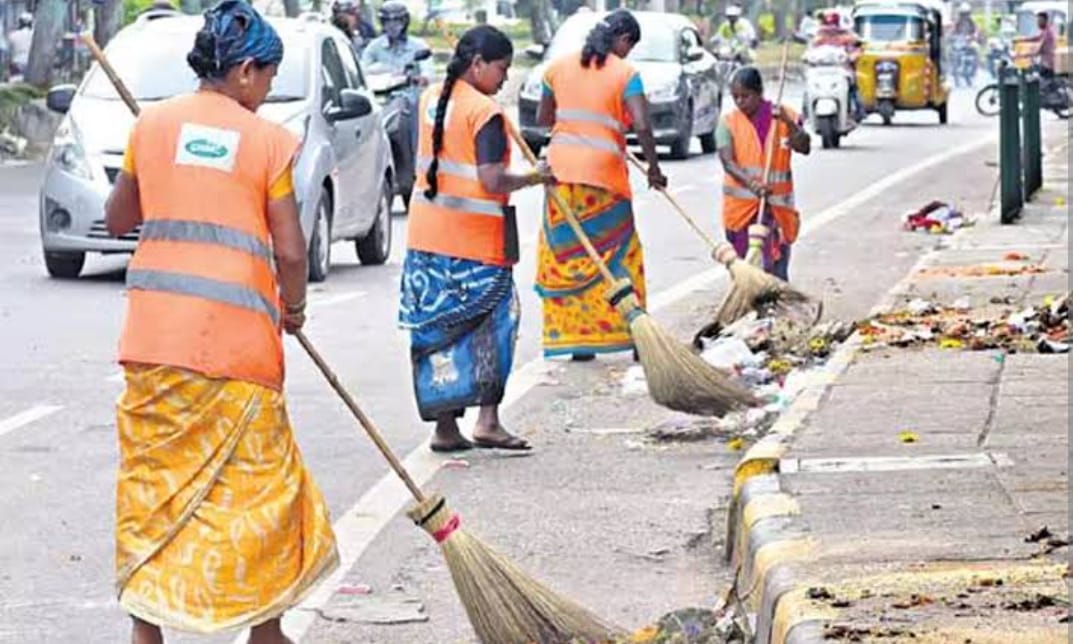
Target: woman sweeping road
218, 523
743, 140
458, 298
591, 98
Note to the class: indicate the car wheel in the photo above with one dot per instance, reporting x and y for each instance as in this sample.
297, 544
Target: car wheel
64, 265
680, 146
320, 245
375, 247
707, 143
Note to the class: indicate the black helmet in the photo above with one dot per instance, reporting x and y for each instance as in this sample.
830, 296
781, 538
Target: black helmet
345, 6
394, 10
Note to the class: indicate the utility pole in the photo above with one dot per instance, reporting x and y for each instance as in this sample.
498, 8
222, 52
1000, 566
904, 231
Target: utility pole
291, 8
49, 21
107, 18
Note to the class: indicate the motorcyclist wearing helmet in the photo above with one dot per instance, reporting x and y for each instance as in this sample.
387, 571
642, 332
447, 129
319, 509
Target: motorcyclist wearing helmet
347, 16
832, 34
737, 33
394, 48
965, 26
20, 40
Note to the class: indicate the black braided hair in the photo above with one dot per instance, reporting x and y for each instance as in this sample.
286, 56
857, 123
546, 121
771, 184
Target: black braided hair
619, 22
491, 45
749, 78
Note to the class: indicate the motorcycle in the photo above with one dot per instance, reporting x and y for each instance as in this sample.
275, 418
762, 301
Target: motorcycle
1055, 94
827, 94
397, 95
998, 50
965, 61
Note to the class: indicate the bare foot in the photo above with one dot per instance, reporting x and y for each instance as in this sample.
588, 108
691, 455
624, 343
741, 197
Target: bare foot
143, 632
447, 437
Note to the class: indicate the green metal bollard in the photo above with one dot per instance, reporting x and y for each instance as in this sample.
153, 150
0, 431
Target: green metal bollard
1030, 130
1010, 177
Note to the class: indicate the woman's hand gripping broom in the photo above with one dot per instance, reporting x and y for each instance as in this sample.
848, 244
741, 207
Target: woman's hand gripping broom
505, 605
677, 378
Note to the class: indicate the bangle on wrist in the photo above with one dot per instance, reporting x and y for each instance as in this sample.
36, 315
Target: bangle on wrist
295, 308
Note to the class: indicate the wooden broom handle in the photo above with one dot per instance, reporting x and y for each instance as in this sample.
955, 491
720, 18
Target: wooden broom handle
674, 204
110, 72
568, 212
365, 422
769, 144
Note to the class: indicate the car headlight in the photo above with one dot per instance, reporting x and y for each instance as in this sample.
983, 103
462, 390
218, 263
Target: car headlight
68, 153
663, 93
532, 88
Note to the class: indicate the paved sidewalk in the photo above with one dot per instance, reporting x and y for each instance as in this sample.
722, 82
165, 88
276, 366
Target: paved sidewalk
922, 493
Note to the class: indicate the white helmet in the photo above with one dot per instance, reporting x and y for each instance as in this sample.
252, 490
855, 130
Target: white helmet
732, 11
964, 7
26, 19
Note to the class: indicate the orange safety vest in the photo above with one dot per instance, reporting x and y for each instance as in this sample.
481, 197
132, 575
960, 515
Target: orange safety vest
463, 220
740, 205
202, 292
588, 141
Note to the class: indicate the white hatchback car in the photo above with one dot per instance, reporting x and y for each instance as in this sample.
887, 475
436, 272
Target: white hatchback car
343, 175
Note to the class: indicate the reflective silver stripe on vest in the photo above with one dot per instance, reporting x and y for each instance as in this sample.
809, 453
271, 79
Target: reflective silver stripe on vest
780, 177
586, 142
786, 201
206, 233
464, 170
586, 116
462, 204
203, 287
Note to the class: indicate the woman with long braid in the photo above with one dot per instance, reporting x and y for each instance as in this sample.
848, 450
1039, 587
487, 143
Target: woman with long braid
458, 298
591, 98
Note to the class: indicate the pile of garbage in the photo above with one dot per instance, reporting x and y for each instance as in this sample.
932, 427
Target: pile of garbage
1034, 329
936, 217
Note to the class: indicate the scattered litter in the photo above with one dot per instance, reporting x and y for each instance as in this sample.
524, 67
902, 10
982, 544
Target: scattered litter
354, 589
997, 269
75, 558
736, 444
1015, 257
1045, 329
1040, 601
920, 307
455, 464
819, 593
1039, 535
937, 218
962, 304
729, 353
908, 437
913, 601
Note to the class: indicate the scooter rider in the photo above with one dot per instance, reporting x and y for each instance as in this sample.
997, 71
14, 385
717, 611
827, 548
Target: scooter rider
394, 49
737, 33
346, 15
832, 34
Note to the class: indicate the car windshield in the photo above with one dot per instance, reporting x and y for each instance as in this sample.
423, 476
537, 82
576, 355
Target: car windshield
658, 43
1027, 25
890, 28
160, 71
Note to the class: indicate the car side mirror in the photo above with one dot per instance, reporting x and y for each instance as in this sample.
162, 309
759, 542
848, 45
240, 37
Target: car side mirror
693, 54
423, 54
353, 105
59, 98
535, 51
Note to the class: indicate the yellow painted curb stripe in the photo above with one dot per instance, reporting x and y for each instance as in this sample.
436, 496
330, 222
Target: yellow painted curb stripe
793, 608
771, 555
769, 505
762, 458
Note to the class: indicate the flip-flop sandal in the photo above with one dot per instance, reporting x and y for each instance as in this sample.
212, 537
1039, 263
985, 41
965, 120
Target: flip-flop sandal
512, 443
448, 449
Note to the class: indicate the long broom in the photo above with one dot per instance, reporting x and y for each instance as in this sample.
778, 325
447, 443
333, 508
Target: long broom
677, 378
751, 286
505, 606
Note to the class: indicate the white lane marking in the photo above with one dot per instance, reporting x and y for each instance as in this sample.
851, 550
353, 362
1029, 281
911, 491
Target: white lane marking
332, 300
354, 536
689, 187
892, 463
712, 276
26, 417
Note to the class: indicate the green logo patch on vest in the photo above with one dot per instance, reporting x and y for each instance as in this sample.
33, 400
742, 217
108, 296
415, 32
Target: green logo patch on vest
206, 149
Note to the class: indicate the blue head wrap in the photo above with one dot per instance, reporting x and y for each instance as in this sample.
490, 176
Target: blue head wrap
240, 33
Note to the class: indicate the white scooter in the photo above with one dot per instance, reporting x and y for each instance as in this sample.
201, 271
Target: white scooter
827, 96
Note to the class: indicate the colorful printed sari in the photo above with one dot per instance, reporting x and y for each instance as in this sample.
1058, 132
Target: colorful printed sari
577, 318
218, 523
463, 321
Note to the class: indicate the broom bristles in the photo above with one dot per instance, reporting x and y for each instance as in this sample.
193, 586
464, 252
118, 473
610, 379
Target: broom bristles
752, 287
678, 378
504, 604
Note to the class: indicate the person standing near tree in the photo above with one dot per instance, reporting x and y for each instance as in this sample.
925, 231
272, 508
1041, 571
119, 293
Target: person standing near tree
209, 471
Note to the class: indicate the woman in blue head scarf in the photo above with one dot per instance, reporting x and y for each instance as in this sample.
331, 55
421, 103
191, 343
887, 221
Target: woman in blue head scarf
218, 524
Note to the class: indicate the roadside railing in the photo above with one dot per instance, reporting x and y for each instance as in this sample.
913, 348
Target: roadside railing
1020, 147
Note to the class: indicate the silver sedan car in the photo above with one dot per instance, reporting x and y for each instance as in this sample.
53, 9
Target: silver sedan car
343, 175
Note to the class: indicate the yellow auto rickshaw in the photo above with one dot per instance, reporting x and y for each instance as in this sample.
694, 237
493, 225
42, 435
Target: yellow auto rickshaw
1058, 13
900, 67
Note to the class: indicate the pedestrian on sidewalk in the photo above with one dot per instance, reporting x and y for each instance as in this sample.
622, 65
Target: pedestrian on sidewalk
458, 298
590, 99
218, 523
742, 140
